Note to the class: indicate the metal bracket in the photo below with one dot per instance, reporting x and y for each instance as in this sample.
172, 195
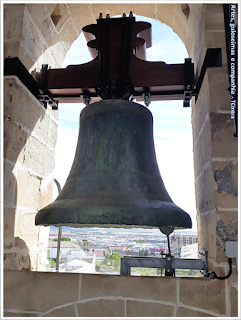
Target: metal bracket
213, 58
169, 264
188, 82
14, 67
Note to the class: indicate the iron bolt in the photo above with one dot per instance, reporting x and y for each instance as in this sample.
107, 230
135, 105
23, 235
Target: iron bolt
168, 258
168, 270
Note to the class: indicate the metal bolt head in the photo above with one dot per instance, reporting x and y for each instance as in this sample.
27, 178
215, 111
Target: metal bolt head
168, 270
168, 258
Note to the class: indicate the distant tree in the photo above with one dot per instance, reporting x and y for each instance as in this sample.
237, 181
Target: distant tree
62, 239
143, 253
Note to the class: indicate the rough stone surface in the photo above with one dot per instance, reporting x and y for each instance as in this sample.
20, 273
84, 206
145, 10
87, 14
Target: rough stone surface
27, 190
9, 183
184, 312
20, 105
68, 311
207, 296
39, 291
44, 164
15, 140
234, 302
101, 308
9, 223
45, 196
214, 17
148, 309
13, 21
136, 287
226, 230
224, 144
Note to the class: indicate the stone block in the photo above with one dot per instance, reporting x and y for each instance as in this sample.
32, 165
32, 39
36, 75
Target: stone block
207, 295
198, 36
199, 156
54, 113
68, 34
219, 99
101, 308
148, 309
234, 302
207, 142
224, 144
68, 311
39, 157
53, 134
11, 49
226, 190
26, 57
39, 291
41, 129
204, 190
45, 196
9, 183
179, 22
165, 13
14, 141
200, 113
59, 15
216, 40
26, 230
27, 190
13, 20
81, 14
33, 40
21, 314
16, 256
226, 230
9, 223
43, 21
142, 9
20, 104
185, 312
50, 7
207, 234
156, 288
214, 19
58, 51
37, 12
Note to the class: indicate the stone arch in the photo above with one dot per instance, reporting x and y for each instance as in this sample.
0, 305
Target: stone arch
43, 33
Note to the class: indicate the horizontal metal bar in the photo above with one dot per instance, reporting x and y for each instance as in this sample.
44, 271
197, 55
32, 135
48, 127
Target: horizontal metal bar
177, 263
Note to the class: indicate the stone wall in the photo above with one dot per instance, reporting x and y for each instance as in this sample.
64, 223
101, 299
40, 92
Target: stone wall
38, 294
30, 133
43, 33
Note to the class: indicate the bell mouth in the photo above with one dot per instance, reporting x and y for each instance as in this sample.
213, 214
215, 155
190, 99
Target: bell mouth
154, 214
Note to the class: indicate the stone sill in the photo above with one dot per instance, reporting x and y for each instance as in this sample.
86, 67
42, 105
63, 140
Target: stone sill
29, 293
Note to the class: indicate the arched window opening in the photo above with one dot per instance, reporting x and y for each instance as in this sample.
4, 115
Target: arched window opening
172, 137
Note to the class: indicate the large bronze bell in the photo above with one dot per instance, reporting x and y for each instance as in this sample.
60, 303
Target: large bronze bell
114, 180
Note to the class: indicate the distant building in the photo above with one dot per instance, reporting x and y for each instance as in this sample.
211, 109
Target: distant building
190, 251
65, 247
180, 239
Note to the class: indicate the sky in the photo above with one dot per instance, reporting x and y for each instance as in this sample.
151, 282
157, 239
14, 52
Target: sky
172, 123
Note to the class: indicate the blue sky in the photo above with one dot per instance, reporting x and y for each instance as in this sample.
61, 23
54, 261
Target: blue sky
172, 122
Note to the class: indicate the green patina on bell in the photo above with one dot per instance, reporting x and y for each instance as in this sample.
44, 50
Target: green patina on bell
114, 180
